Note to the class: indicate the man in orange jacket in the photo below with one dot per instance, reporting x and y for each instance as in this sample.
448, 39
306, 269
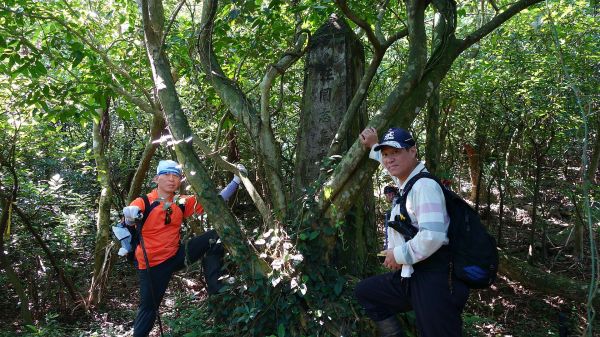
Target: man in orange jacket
160, 235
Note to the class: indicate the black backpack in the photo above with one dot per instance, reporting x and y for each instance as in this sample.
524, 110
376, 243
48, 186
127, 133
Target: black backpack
474, 254
135, 232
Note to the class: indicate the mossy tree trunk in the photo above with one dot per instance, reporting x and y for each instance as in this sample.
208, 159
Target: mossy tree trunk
102, 258
156, 129
6, 204
219, 214
433, 145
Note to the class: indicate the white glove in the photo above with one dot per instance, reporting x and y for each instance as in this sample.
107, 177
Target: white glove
131, 213
122, 251
243, 170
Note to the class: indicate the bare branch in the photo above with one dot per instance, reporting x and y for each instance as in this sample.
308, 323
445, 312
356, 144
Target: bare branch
171, 20
94, 45
242, 109
380, 14
343, 178
494, 23
343, 5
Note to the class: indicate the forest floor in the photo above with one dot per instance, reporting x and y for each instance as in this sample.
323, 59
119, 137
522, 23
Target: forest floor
508, 308
505, 309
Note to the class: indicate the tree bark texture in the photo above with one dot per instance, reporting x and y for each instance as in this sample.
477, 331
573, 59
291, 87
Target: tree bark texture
197, 175
101, 135
433, 145
158, 124
6, 264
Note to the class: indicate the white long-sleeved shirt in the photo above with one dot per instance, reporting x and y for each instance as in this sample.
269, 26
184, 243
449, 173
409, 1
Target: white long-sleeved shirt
426, 207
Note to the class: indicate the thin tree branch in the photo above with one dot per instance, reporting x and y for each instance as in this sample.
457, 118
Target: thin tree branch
93, 45
341, 180
494, 23
240, 106
171, 20
380, 14
343, 5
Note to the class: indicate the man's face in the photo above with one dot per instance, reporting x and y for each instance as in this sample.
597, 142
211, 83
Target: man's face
399, 162
389, 196
167, 183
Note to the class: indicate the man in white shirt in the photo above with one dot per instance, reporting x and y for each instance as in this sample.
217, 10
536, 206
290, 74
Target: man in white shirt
420, 278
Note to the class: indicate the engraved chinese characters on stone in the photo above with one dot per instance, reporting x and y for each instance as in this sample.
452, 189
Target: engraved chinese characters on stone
325, 95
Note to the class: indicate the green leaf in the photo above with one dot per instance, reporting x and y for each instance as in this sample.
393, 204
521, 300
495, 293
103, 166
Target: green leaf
233, 14
38, 69
281, 330
100, 98
339, 285
77, 58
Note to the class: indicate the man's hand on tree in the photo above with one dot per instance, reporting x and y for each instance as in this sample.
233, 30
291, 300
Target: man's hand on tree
368, 137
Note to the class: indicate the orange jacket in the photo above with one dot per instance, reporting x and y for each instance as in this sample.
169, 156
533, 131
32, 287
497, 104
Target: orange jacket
162, 240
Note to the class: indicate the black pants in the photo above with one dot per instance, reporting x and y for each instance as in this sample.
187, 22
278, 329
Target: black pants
153, 284
437, 307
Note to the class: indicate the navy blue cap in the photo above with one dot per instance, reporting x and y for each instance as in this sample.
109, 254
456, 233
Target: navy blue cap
396, 137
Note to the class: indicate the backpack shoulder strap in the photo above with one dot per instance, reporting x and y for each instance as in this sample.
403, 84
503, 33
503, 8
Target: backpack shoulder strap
147, 208
182, 208
409, 185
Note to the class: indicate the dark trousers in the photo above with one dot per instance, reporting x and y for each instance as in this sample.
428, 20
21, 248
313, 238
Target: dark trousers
437, 308
154, 281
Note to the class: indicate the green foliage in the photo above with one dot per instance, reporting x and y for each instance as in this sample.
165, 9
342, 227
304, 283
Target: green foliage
62, 60
50, 328
191, 321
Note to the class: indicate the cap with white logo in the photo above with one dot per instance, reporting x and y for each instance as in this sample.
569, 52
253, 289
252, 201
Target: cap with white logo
397, 138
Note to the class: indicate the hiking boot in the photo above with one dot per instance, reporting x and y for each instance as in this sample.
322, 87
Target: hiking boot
390, 327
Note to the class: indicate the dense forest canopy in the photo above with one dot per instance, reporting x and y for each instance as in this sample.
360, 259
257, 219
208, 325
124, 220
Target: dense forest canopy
502, 97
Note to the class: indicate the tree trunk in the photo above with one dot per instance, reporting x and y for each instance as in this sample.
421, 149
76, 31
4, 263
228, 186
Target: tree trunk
101, 134
197, 175
473, 157
158, 124
257, 123
499, 234
544, 282
592, 172
536, 196
6, 264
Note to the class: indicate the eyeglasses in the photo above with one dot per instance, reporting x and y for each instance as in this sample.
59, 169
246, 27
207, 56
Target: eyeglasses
168, 213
